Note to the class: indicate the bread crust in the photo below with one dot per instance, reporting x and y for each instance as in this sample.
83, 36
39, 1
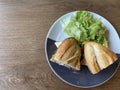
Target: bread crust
68, 54
98, 57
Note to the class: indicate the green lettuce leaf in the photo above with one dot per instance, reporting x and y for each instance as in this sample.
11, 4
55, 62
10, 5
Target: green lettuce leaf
83, 27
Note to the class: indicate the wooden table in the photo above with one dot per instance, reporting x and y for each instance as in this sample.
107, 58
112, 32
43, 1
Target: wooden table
23, 28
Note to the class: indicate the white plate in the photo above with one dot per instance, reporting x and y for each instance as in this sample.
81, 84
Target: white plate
74, 77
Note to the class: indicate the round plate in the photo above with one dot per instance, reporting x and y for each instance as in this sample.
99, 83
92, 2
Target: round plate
82, 78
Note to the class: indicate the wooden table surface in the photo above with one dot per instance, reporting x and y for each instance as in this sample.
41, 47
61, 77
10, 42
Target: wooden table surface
23, 28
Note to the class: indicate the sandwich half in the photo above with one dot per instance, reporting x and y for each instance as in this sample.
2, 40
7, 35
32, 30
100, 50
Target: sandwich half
68, 54
98, 57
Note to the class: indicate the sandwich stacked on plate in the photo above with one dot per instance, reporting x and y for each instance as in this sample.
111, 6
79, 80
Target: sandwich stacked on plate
96, 56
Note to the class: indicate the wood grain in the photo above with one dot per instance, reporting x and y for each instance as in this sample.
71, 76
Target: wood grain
23, 27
